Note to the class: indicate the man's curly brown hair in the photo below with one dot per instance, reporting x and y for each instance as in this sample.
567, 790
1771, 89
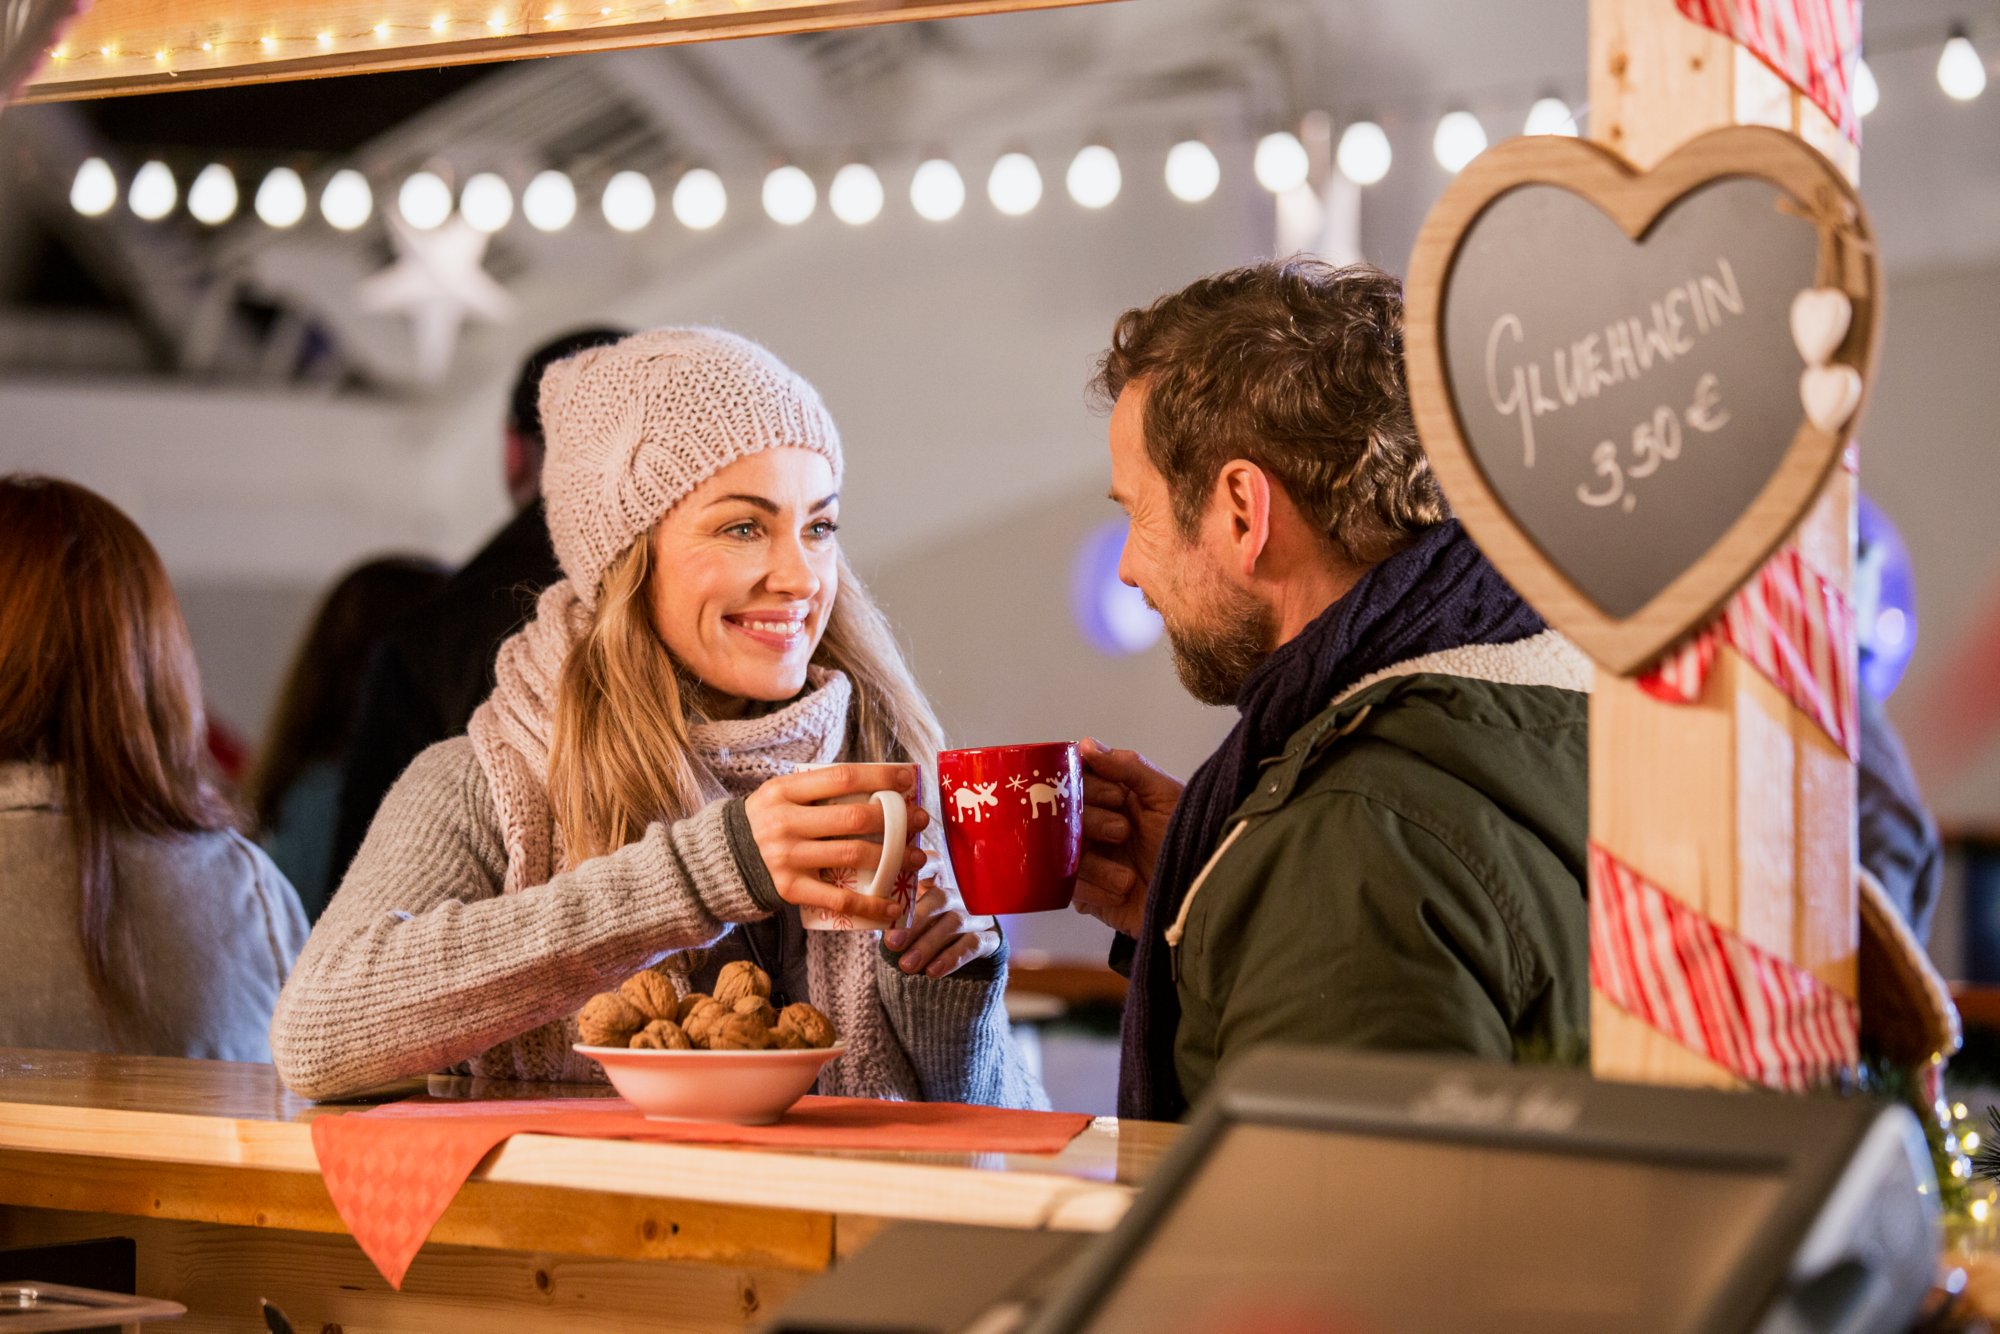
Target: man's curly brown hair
1297, 366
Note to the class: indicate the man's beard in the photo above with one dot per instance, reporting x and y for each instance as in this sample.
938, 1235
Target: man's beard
1215, 657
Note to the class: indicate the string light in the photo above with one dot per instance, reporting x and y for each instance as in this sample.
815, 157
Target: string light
153, 193
1094, 178
856, 194
1459, 139
1192, 171
1364, 154
789, 196
937, 191
1280, 162
1960, 71
549, 202
212, 197
281, 198
424, 201
95, 189
347, 201
700, 199
1015, 184
1867, 94
1550, 115
486, 203
628, 202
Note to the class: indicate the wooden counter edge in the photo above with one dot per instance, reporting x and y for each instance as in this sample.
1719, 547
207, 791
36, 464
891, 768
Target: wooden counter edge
820, 1184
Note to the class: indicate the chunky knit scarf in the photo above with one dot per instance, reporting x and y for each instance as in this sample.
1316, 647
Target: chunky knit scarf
1438, 594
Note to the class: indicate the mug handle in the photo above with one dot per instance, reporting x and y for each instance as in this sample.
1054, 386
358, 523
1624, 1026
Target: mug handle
895, 842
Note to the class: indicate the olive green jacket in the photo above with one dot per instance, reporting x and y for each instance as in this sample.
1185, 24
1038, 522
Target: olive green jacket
1408, 875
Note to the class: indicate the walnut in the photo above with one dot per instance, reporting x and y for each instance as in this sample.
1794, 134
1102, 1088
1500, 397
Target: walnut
740, 1032
812, 1028
689, 1004
741, 979
662, 1035
788, 1039
703, 1020
608, 1020
758, 1008
652, 994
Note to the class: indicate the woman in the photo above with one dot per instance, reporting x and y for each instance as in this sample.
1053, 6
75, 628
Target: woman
137, 921
625, 798
294, 792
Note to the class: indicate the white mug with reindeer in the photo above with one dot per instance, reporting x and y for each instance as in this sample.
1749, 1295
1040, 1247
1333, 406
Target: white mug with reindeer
888, 880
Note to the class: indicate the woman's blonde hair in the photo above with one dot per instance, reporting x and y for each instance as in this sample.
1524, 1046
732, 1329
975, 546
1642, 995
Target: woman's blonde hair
623, 754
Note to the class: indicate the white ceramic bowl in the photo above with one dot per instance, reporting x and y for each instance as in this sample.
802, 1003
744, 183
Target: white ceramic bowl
751, 1088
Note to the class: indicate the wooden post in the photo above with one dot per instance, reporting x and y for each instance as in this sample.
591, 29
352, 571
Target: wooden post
1736, 804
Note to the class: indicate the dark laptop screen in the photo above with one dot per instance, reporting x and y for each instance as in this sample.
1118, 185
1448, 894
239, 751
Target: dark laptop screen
1420, 1235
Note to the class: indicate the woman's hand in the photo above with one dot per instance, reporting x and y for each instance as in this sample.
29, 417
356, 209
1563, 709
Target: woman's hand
798, 838
942, 938
1127, 802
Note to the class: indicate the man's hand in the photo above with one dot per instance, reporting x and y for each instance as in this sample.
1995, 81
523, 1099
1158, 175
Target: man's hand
1126, 805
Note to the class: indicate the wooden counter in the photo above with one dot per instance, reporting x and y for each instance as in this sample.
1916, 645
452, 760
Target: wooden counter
210, 1167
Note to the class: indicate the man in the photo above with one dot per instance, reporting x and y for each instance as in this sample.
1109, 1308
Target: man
1388, 851
437, 665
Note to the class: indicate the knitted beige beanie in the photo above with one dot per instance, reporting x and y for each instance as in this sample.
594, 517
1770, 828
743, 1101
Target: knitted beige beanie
634, 427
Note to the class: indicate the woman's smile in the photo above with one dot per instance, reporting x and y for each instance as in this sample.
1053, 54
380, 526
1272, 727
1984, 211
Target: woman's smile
782, 630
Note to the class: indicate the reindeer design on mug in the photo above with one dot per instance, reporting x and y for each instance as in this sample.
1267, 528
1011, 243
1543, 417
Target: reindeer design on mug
971, 802
1045, 792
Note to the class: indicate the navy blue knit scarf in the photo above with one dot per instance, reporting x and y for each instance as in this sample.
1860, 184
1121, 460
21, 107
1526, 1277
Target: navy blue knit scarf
1438, 594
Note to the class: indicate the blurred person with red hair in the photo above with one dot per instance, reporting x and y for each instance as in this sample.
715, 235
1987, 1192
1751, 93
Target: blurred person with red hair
138, 919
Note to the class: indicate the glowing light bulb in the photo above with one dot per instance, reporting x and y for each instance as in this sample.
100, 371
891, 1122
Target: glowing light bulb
1867, 94
440, 23
1281, 163
281, 198
549, 202
1015, 184
153, 193
790, 196
700, 199
486, 203
268, 43
937, 191
629, 203
1960, 72
1094, 178
856, 194
325, 39
1192, 171
1363, 156
424, 201
212, 197
1550, 115
347, 201
1459, 139
95, 189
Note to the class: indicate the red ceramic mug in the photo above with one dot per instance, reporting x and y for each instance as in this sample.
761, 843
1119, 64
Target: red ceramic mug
1013, 823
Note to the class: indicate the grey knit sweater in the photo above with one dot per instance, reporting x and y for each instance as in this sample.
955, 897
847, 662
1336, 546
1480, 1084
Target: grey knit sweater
422, 964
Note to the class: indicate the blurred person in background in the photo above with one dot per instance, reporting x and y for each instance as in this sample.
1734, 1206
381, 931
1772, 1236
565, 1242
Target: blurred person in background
436, 666
137, 919
294, 790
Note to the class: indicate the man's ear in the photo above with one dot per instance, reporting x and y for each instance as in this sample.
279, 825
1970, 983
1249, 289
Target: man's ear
1243, 492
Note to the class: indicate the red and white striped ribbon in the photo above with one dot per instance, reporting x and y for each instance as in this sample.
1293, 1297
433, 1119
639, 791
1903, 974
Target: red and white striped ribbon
1709, 989
1810, 44
1792, 625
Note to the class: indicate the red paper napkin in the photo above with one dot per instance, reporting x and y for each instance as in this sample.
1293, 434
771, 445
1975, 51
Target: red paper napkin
392, 1171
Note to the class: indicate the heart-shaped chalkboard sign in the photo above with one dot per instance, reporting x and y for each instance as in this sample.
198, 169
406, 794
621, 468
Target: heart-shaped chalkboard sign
1612, 381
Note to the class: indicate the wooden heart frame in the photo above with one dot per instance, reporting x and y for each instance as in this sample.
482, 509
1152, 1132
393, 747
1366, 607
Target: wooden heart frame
1634, 200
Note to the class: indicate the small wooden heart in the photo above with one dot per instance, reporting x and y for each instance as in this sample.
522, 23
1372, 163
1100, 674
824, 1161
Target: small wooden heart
1830, 394
1820, 319
1605, 366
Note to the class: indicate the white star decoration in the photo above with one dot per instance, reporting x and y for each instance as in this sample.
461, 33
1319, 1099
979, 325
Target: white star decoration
438, 282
